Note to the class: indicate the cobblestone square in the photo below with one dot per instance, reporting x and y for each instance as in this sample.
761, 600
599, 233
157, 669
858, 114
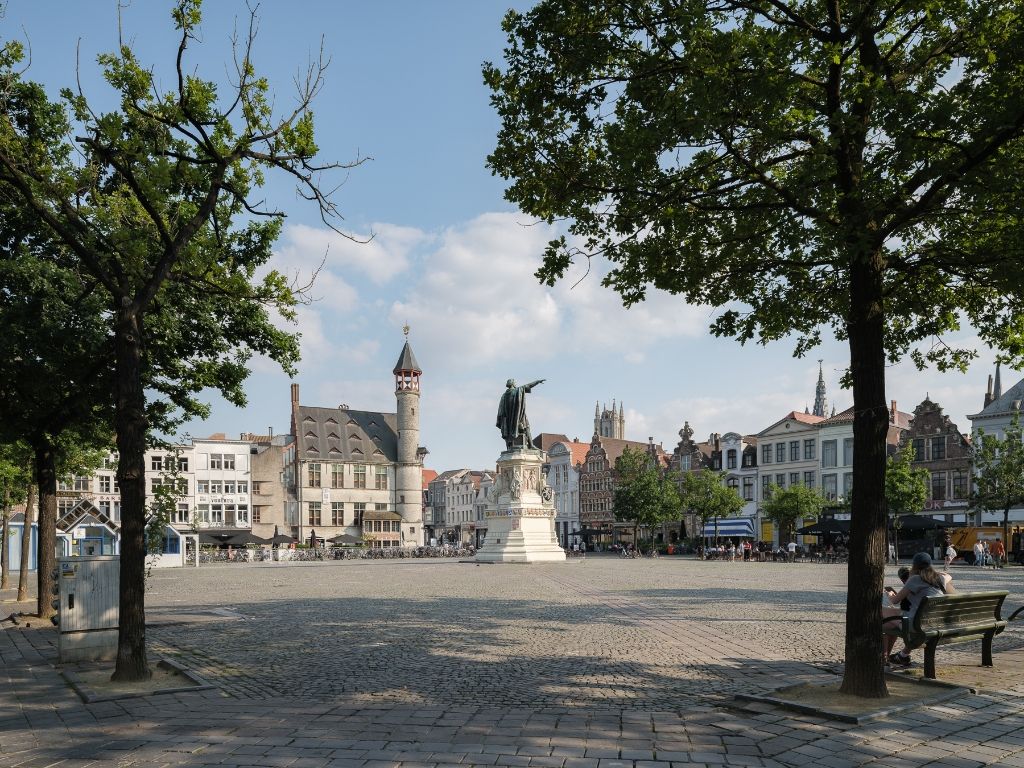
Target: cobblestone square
601, 663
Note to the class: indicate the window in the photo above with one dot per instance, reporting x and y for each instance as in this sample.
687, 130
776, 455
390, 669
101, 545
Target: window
381, 507
110, 462
314, 475
809, 448
337, 513
104, 507
156, 485
794, 450
156, 463
242, 486
794, 479
314, 513
82, 483
809, 480
748, 457
216, 486
216, 461
243, 514
766, 454
847, 451
183, 464
183, 487
217, 514
938, 486
202, 486
337, 475
229, 461
359, 510
229, 486
180, 514
360, 476
780, 453
733, 483
780, 480
847, 485
918, 443
202, 513
256, 514
381, 478
104, 483
938, 448
64, 506
766, 487
959, 484
748, 488
730, 459
828, 453
828, 487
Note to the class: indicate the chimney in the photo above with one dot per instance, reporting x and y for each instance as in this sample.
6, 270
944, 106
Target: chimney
892, 411
988, 392
295, 393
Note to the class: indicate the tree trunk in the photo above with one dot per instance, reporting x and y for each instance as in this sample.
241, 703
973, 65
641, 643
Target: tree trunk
46, 477
863, 675
26, 544
1006, 535
5, 543
130, 425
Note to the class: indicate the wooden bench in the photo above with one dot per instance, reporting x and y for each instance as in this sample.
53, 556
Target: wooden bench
953, 618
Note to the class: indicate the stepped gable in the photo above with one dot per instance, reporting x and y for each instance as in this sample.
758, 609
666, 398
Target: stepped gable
344, 435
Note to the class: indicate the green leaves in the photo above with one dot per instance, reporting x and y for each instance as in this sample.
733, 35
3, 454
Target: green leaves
705, 495
787, 506
906, 487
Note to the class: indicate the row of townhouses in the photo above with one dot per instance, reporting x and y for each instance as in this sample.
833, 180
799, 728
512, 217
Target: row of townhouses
813, 448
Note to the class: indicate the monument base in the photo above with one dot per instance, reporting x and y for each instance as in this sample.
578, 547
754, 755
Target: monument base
521, 524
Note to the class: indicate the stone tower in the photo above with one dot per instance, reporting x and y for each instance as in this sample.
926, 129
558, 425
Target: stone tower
820, 403
409, 471
610, 422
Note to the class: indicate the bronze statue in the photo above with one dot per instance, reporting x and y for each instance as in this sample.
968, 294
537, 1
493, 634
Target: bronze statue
512, 421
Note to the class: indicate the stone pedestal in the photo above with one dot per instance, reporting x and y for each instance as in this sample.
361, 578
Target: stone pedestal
521, 520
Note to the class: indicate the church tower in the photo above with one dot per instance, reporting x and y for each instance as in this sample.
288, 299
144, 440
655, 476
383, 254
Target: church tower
610, 422
820, 402
409, 470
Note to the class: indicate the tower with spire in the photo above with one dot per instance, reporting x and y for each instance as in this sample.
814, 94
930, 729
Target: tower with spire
610, 422
409, 470
820, 401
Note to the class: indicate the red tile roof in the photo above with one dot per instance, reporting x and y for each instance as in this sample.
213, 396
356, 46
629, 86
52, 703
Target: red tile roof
428, 475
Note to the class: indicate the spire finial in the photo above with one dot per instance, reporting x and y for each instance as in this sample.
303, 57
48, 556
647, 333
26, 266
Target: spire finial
405, 329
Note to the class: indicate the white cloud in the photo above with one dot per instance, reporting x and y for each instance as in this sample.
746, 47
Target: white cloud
380, 259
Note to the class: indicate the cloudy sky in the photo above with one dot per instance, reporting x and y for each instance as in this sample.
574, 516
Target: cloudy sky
448, 255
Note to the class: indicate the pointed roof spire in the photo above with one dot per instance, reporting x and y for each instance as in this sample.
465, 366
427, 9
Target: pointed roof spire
407, 360
820, 401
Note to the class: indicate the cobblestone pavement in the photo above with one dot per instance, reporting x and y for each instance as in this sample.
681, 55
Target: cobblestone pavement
604, 663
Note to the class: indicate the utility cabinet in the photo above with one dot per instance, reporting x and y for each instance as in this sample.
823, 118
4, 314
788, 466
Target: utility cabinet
88, 589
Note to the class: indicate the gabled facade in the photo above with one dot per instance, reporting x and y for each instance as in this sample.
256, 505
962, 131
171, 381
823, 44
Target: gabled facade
565, 460
597, 484
1000, 409
945, 453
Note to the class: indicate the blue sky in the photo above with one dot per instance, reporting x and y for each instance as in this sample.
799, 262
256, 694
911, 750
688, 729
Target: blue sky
450, 256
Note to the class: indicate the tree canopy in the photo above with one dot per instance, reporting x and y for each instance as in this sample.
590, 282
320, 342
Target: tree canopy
906, 486
853, 166
787, 506
643, 494
704, 494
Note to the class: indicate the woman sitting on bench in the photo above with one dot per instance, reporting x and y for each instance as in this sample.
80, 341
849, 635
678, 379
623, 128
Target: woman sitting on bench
924, 581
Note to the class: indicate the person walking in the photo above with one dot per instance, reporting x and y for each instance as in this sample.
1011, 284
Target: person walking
979, 554
998, 553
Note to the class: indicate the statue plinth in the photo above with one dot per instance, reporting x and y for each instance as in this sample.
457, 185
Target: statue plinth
521, 519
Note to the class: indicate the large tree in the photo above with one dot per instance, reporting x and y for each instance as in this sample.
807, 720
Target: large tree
852, 165
643, 494
151, 213
999, 473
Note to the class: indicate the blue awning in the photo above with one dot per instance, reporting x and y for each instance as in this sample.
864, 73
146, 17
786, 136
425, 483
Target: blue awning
731, 526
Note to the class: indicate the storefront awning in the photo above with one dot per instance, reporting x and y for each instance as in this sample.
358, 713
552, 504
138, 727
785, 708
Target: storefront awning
735, 526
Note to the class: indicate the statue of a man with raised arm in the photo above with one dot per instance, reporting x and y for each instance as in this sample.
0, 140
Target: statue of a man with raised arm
512, 421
